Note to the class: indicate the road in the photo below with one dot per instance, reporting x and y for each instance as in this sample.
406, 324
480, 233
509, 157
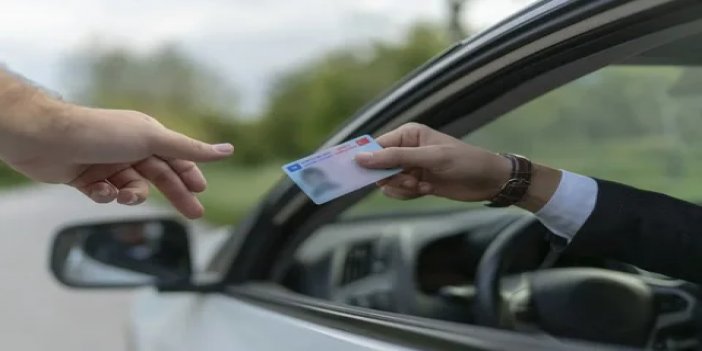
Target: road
36, 313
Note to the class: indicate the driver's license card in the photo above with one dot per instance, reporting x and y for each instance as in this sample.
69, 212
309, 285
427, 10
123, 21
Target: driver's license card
333, 172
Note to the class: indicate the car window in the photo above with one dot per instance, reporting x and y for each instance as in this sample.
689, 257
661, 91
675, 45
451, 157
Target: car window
634, 124
638, 125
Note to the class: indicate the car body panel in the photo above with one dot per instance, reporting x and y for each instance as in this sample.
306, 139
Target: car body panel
179, 321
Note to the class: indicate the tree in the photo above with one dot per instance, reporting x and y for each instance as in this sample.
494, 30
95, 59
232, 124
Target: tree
309, 102
182, 93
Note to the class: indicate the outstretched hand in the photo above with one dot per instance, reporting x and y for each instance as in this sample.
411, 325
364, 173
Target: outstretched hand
113, 155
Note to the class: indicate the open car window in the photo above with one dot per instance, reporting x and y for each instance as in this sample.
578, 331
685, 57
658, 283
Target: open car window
635, 124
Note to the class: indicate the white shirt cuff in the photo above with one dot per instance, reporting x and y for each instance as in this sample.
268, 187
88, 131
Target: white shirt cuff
570, 206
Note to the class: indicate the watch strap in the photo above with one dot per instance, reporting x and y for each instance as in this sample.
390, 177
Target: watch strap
514, 189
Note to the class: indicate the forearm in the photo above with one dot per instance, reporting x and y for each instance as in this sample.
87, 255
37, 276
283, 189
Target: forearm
17, 98
25, 112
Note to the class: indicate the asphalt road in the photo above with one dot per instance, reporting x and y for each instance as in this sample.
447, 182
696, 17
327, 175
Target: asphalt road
36, 313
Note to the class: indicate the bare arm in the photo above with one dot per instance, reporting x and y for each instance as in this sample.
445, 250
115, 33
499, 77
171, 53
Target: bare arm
106, 154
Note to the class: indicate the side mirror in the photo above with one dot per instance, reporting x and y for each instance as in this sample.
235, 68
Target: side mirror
122, 254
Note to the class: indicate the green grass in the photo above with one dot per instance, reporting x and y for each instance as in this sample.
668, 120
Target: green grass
232, 191
8, 177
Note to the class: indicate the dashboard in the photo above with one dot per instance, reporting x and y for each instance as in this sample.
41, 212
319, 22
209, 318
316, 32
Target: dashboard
406, 263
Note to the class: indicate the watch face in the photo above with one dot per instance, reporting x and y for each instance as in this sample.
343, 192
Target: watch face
517, 182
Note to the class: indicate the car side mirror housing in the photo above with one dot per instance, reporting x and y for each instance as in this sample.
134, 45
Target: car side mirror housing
123, 254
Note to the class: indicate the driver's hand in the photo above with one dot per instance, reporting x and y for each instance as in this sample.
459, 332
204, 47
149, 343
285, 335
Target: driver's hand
437, 164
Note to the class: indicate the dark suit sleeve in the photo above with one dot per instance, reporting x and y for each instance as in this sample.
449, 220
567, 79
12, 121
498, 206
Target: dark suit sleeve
652, 231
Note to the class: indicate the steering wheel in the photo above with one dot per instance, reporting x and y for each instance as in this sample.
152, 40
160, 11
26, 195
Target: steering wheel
585, 303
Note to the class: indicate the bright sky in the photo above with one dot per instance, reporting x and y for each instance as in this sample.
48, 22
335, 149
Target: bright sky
248, 42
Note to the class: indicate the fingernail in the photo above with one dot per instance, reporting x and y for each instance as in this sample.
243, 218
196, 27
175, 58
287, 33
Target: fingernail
100, 193
133, 200
225, 148
424, 188
364, 157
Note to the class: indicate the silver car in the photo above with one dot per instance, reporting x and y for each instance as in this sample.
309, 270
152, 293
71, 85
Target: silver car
366, 273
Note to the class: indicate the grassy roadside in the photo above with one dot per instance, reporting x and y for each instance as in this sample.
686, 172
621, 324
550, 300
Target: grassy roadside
232, 191
10, 178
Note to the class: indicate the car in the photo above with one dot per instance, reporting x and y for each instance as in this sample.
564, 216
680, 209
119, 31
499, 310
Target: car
607, 88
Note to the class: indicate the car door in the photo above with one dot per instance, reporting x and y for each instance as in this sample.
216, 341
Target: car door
469, 85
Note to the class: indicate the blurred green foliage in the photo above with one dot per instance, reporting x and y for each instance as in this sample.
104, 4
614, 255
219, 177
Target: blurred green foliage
310, 102
180, 92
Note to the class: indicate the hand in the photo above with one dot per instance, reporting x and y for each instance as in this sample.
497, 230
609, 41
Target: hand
109, 154
437, 164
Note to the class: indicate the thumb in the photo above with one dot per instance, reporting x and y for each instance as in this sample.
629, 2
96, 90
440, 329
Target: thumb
404, 157
175, 145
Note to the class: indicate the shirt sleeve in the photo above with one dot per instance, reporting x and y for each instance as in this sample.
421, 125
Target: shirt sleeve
570, 206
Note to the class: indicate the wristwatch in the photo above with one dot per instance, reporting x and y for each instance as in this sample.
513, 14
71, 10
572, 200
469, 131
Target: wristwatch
516, 187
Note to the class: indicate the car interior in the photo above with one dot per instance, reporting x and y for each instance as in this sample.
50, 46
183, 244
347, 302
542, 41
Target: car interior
427, 257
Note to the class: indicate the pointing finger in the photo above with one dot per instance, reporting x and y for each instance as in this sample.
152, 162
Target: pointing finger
178, 146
